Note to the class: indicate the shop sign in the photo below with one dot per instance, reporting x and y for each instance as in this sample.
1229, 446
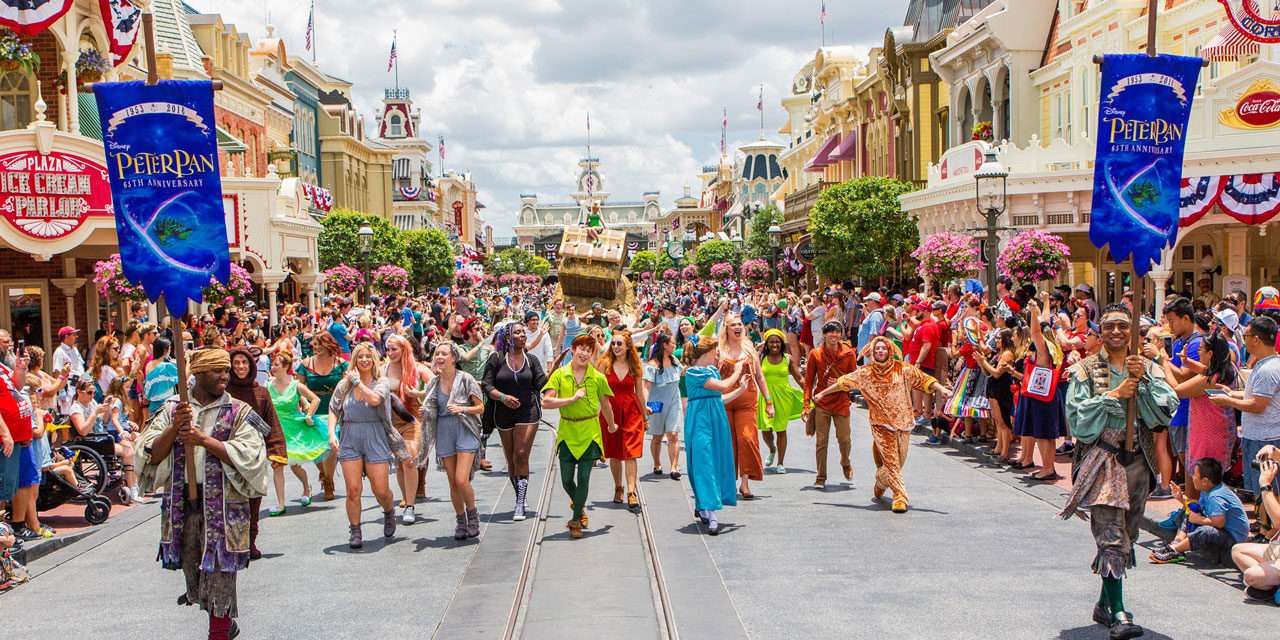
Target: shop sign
962, 160
49, 196
1257, 108
805, 251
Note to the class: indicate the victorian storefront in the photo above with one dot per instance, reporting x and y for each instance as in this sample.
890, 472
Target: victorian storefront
1231, 171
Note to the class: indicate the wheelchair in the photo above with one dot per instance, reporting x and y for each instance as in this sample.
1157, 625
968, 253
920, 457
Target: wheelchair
98, 472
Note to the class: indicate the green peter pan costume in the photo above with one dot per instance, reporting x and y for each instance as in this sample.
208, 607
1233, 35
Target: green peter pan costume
578, 440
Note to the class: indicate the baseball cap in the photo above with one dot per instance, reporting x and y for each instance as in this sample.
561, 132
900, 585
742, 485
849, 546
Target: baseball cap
873, 297
1084, 287
66, 331
939, 306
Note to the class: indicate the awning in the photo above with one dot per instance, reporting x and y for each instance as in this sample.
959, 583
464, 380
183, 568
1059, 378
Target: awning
848, 149
229, 143
1229, 44
820, 159
90, 124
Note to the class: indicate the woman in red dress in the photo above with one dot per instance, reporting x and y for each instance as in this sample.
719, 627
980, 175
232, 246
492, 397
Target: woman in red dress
621, 366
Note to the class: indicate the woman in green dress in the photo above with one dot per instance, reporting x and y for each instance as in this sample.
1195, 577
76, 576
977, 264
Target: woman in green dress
307, 439
788, 401
320, 373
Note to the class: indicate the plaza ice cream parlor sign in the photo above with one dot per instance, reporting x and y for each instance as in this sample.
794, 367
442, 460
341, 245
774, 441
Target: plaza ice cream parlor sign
47, 196
1258, 107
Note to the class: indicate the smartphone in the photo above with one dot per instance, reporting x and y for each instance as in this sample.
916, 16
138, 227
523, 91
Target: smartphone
1214, 392
1168, 345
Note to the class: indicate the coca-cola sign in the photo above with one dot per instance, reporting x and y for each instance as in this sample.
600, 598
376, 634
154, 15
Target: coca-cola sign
1257, 108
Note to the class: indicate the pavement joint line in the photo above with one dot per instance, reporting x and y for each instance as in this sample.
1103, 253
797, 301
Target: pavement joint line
691, 507
75, 542
533, 549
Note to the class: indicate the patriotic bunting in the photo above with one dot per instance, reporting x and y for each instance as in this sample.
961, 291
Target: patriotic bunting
30, 18
1249, 198
1197, 197
320, 197
410, 193
121, 19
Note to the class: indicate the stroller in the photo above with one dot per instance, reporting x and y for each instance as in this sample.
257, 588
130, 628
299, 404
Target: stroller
96, 469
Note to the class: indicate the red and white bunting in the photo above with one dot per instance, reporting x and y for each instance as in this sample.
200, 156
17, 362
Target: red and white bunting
121, 19
1197, 197
410, 193
1251, 198
30, 18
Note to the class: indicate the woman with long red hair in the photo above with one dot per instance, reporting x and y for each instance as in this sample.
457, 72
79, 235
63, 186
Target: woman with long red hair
407, 379
623, 447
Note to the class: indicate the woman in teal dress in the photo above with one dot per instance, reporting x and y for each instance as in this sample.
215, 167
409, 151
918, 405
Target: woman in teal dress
788, 401
707, 440
327, 359
306, 437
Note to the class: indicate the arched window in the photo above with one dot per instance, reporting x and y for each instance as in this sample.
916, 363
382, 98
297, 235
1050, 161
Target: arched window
395, 126
16, 99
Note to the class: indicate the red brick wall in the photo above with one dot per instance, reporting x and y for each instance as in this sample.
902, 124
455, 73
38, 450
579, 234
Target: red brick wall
251, 134
46, 46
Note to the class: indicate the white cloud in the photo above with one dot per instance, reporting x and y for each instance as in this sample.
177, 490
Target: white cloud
508, 83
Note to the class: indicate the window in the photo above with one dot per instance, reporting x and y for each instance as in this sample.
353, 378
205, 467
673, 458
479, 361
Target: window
395, 127
1085, 84
15, 100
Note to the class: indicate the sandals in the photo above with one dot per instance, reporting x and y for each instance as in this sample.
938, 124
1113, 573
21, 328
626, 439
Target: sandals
1053, 477
617, 495
633, 502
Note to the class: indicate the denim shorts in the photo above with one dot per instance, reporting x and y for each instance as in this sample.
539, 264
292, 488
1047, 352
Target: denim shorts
9, 467
1208, 538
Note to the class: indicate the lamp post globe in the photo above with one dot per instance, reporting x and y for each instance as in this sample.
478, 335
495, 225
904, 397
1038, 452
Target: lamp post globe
775, 241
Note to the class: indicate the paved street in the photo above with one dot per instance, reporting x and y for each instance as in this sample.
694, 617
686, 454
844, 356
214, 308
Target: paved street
980, 556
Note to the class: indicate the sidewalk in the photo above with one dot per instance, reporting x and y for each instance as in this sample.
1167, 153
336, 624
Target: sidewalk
1056, 492
68, 520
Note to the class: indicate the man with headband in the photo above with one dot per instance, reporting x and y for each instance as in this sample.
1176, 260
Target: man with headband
204, 521
886, 382
1109, 480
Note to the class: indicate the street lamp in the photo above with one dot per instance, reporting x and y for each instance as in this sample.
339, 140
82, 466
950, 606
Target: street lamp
775, 242
991, 195
365, 236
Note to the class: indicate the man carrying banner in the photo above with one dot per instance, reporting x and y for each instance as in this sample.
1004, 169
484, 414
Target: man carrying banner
1110, 481
208, 537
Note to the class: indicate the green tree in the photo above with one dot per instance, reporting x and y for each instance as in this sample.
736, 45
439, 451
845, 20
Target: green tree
511, 260
714, 251
758, 243
662, 263
430, 256
642, 261
339, 240
540, 266
859, 228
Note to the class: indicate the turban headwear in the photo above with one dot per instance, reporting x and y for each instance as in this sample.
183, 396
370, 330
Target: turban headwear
209, 360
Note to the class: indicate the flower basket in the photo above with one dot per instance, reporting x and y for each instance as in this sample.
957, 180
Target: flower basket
945, 257
690, 272
239, 287
670, 274
755, 270
16, 54
91, 66
343, 279
1033, 256
983, 131
530, 278
389, 279
646, 276
108, 277
721, 270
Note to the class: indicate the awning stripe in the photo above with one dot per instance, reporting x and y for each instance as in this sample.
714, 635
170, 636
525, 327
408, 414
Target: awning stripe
1229, 44
820, 159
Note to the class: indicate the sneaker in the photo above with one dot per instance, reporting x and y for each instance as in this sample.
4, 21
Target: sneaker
1161, 493
1166, 556
782, 469
518, 515
769, 462
305, 501
922, 421
408, 516
1265, 595
1066, 449
388, 523
933, 441
25, 533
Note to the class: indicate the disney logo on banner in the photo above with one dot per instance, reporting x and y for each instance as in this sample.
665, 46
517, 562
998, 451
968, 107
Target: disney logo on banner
149, 108
1149, 78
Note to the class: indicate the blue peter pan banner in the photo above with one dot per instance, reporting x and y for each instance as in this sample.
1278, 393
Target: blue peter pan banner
1137, 173
162, 156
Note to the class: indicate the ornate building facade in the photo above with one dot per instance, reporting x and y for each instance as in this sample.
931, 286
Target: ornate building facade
414, 197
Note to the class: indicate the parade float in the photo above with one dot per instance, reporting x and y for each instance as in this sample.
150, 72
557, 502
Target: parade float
591, 262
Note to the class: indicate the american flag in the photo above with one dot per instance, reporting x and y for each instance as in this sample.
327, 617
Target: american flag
311, 24
391, 61
760, 102
822, 17
441, 147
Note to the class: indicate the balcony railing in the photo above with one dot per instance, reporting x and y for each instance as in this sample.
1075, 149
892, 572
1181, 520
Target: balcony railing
799, 202
401, 93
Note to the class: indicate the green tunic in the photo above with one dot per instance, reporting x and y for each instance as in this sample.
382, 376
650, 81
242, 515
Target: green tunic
1090, 411
579, 421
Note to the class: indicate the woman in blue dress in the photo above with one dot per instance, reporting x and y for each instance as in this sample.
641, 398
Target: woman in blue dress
707, 439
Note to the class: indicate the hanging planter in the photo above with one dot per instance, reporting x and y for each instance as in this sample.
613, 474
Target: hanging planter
755, 270
239, 288
945, 257
343, 279
1033, 256
91, 66
16, 54
389, 278
108, 277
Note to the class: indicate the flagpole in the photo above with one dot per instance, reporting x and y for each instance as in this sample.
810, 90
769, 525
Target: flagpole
823, 20
313, 32
397, 60
762, 111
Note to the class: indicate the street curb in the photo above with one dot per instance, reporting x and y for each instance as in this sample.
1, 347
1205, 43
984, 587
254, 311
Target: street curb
66, 547
1147, 523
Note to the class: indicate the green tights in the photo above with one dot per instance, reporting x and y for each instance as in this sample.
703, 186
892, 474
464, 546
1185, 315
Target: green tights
1112, 595
575, 475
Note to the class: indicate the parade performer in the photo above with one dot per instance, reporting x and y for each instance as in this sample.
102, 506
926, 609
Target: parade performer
207, 536
512, 379
662, 375
320, 373
405, 376
244, 387
578, 390
736, 347
788, 401
305, 438
1110, 481
451, 412
886, 382
826, 363
623, 448
708, 439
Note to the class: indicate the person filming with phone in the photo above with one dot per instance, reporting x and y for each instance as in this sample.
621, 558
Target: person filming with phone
1260, 562
1259, 402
